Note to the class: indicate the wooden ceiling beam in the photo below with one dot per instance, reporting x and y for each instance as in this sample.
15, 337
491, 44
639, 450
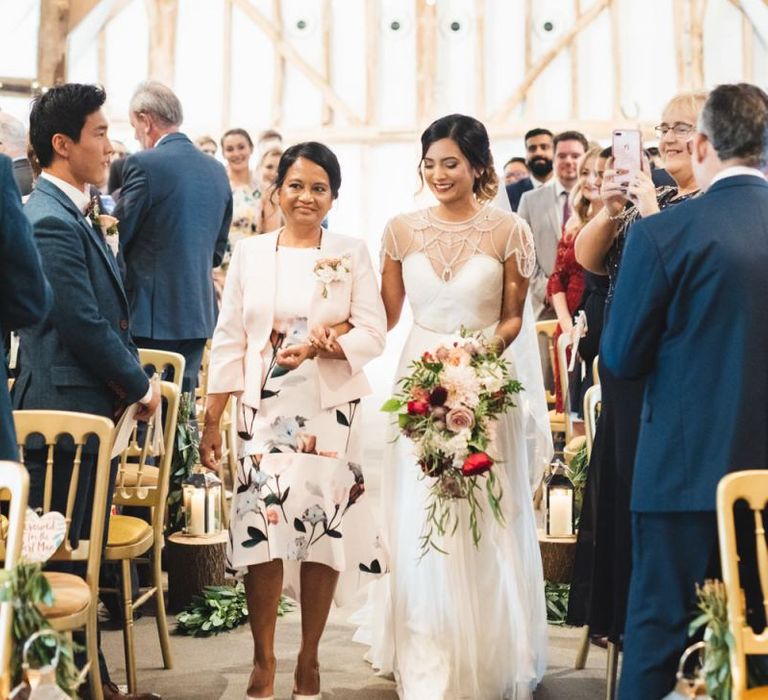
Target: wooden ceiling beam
52, 42
566, 40
79, 10
291, 54
162, 18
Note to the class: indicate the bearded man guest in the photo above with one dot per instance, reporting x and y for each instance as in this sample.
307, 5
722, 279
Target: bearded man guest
175, 209
81, 357
538, 153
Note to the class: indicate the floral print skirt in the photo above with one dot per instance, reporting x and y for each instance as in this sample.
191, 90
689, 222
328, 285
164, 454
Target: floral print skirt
300, 491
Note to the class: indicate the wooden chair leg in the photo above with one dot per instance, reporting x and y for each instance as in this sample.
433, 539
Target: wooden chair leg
611, 671
92, 647
128, 643
583, 652
162, 621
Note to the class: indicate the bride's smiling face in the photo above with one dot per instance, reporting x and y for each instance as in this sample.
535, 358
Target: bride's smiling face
447, 172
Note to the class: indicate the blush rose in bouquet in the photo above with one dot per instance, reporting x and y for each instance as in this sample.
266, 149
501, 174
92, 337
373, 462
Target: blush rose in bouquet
448, 406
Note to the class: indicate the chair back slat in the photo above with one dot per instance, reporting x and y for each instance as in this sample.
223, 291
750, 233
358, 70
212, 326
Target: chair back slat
750, 486
134, 487
52, 426
161, 360
592, 403
547, 329
563, 343
14, 483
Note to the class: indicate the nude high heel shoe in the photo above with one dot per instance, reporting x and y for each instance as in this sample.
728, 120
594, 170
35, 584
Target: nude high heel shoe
295, 696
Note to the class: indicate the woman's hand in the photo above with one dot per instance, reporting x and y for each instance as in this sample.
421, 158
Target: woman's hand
324, 338
293, 355
613, 191
642, 192
210, 447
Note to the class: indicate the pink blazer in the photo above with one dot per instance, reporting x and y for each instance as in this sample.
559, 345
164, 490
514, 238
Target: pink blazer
247, 317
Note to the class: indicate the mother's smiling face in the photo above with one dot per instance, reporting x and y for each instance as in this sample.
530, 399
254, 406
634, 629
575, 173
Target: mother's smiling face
678, 125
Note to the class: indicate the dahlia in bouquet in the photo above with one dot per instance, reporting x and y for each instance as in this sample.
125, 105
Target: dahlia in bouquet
448, 406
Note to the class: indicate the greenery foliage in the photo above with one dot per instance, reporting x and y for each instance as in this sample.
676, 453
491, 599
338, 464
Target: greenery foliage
557, 601
186, 455
219, 609
25, 587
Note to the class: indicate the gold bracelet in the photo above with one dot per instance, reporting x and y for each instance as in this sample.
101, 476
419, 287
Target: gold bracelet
616, 217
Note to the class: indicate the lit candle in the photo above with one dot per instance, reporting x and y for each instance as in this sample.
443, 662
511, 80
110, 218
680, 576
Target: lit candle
197, 513
560, 513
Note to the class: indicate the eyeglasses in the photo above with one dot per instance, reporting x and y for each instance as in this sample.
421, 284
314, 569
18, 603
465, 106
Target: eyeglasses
678, 129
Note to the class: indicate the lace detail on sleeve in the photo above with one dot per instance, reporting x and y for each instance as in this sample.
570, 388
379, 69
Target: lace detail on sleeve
514, 237
397, 240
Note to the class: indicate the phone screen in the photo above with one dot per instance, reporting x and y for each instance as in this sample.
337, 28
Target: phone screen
627, 150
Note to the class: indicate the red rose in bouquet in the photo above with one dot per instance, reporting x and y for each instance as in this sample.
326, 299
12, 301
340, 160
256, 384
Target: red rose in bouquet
476, 463
418, 408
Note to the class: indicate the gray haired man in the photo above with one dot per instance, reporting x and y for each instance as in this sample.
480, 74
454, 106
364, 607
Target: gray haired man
13, 143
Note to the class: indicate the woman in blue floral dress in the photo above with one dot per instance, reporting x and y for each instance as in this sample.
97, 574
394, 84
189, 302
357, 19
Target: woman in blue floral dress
301, 315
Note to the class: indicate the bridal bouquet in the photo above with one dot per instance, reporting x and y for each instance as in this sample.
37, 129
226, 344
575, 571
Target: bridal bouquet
448, 406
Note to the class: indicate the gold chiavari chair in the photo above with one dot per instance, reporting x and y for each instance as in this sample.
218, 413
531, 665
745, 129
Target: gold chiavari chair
547, 330
592, 402
75, 599
750, 487
572, 443
131, 538
14, 485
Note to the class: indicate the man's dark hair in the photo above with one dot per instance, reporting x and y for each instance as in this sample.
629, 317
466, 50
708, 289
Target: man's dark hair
735, 120
571, 136
538, 131
516, 159
319, 154
606, 152
61, 110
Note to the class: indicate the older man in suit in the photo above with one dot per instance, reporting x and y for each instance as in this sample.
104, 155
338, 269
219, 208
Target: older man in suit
175, 209
690, 313
81, 358
546, 209
13, 143
25, 296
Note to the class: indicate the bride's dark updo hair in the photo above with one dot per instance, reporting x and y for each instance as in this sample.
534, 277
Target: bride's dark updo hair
470, 136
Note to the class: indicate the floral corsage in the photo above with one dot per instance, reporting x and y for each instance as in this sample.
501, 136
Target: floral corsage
330, 270
107, 225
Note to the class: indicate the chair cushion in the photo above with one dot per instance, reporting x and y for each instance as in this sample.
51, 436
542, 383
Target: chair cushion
130, 476
70, 595
126, 530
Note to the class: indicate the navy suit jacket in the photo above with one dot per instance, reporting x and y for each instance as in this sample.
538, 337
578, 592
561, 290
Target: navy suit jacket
25, 295
81, 357
175, 209
690, 313
516, 190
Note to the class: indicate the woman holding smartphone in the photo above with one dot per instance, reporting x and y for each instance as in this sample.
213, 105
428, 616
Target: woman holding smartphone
604, 555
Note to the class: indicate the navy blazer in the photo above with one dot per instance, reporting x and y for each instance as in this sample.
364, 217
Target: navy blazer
690, 313
25, 295
516, 190
81, 357
175, 209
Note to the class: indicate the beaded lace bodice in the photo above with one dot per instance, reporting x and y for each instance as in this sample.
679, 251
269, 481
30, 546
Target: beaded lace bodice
467, 260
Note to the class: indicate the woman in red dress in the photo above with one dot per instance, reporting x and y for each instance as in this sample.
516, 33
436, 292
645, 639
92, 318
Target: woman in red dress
566, 285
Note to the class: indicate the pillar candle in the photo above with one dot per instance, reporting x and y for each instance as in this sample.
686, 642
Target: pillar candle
560, 513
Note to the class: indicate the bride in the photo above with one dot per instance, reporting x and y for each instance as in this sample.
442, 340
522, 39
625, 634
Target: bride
470, 623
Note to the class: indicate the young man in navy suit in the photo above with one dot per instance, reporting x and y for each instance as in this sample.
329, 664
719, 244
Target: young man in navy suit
175, 209
81, 357
690, 313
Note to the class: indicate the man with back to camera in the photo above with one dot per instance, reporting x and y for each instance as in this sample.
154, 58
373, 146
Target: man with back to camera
13, 143
175, 209
690, 313
539, 153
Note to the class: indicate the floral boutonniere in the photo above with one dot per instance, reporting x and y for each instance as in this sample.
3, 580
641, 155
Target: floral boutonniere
106, 224
329, 270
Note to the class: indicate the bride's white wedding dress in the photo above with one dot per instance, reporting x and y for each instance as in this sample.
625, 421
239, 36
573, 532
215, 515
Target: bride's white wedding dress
470, 623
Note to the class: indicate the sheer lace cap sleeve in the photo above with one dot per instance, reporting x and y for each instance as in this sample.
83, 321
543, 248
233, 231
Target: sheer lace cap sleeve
449, 245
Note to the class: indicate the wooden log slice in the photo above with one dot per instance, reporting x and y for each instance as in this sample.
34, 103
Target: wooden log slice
557, 555
193, 563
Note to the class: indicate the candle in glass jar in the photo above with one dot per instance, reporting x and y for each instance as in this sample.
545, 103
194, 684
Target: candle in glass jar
197, 513
560, 513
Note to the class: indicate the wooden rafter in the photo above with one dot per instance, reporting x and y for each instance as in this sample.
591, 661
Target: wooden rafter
616, 55
678, 10
292, 55
52, 42
480, 59
574, 55
162, 18
278, 90
698, 9
79, 10
426, 59
748, 49
504, 112
327, 56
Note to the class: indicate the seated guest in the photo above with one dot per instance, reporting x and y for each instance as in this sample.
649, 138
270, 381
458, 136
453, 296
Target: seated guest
81, 357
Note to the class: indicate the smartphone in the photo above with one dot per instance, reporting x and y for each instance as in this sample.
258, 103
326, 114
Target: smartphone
627, 150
